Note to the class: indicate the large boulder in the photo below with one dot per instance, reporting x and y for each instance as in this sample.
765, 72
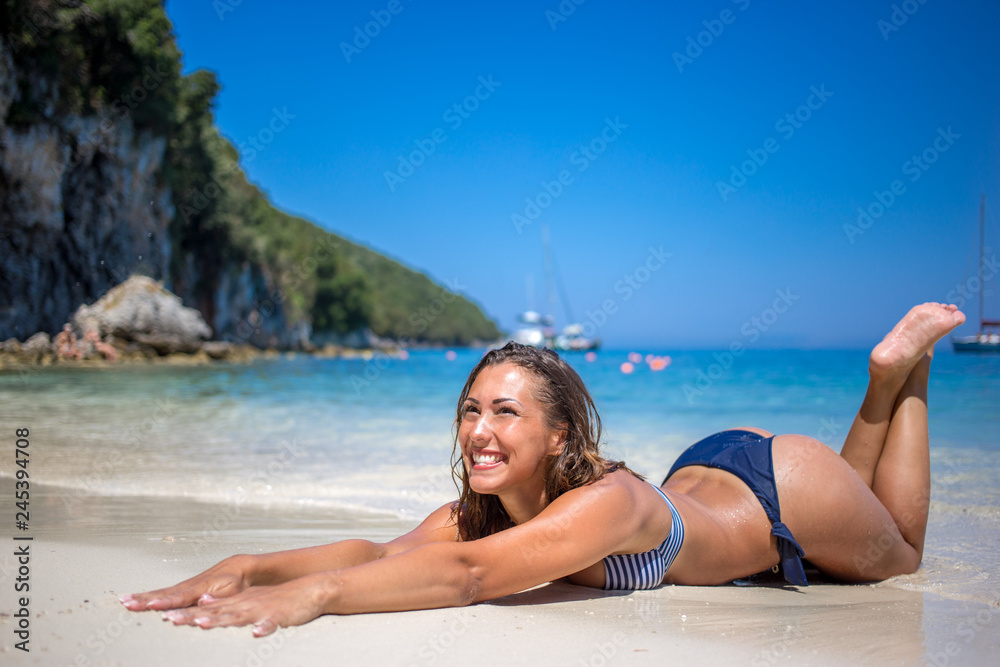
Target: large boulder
36, 347
141, 310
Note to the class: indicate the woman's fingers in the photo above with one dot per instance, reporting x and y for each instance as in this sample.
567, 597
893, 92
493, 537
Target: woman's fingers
264, 628
207, 587
160, 600
131, 602
266, 608
164, 599
142, 601
225, 612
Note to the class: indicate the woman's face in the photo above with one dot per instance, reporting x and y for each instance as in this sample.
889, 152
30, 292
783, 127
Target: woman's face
504, 434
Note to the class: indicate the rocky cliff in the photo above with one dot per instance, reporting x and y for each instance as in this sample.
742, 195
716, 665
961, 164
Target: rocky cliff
110, 165
82, 207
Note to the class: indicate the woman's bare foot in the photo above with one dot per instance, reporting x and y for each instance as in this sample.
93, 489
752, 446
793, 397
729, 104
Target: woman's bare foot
912, 338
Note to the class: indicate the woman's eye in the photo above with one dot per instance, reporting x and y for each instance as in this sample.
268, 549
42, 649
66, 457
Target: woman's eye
507, 411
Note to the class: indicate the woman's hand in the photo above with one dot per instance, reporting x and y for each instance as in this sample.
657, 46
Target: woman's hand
228, 578
265, 607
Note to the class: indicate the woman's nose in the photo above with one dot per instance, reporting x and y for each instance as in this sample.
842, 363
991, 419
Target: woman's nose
482, 430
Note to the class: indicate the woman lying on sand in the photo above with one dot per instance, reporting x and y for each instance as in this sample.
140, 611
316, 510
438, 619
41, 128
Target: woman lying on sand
539, 503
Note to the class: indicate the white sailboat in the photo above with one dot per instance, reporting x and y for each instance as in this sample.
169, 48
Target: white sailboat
572, 337
985, 340
539, 330
534, 328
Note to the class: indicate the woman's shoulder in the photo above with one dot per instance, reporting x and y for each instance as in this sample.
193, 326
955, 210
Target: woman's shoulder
619, 486
623, 504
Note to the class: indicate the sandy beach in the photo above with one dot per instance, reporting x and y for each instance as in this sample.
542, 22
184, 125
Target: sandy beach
141, 478
87, 549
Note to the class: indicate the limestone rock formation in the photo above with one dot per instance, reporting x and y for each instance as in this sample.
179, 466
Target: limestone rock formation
36, 347
82, 206
140, 310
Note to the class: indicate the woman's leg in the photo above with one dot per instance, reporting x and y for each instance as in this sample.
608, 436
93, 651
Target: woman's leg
871, 525
902, 479
888, 442
889, 367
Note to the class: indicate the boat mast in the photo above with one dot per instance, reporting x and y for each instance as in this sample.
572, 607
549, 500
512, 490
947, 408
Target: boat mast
982, 240
549, 286
553, 279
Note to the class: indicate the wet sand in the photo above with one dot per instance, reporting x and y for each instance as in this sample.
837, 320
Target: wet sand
87, 549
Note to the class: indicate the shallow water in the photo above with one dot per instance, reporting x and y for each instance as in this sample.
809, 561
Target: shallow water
374, 436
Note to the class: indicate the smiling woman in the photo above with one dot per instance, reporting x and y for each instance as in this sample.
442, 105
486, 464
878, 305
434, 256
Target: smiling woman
538, 503
522, 411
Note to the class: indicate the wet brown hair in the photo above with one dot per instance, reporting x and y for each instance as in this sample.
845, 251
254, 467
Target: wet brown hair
568, 407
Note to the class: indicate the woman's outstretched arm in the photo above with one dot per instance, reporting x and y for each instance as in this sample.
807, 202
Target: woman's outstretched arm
577, 530
238, 573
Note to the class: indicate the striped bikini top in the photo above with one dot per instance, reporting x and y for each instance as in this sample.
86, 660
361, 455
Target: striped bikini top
641, 571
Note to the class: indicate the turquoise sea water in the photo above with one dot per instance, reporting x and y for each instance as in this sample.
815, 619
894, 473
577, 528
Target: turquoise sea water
356, 435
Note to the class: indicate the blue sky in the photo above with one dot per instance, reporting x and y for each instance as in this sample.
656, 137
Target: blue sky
699, 167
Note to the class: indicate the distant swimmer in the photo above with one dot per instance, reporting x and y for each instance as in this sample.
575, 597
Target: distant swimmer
539, 503
66, 344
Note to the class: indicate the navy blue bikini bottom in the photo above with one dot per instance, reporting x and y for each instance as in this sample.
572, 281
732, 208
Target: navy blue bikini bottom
748, 456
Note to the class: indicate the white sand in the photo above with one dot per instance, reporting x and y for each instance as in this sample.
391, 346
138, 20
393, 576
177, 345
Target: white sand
90, 549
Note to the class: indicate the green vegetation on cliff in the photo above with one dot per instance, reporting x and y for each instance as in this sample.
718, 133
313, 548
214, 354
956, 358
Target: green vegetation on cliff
118, 59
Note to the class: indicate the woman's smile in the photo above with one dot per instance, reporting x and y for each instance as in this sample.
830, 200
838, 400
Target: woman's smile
485, 460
